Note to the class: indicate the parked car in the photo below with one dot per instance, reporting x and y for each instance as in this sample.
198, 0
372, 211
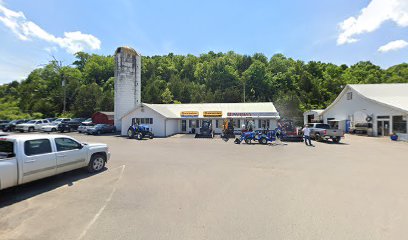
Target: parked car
33, 125
71, 125
25, 158
10, 127
321, 131
3, 123
51, 119
60, 120
361, 128
101, 128
84, 126
88, 120
52, 127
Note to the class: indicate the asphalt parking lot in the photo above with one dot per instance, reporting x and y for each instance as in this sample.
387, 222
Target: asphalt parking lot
185, 188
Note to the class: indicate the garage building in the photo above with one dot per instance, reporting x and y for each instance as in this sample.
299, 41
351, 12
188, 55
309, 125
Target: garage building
169, 119
313, 116
385, 106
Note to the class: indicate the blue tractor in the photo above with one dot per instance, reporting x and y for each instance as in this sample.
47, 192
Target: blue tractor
247, 137
140, 131
262, 137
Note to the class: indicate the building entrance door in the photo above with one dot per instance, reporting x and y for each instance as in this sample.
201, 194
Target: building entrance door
183, 125
383, 128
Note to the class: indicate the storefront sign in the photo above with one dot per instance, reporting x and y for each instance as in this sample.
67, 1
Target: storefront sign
187, 114
212, 114
252, 114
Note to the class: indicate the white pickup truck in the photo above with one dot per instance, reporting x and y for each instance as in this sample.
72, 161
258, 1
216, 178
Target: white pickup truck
25, 158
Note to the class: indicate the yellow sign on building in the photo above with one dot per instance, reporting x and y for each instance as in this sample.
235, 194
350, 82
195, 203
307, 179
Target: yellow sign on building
212, 114
189, 114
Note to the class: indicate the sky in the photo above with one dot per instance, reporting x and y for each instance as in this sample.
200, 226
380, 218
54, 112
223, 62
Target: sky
336, 31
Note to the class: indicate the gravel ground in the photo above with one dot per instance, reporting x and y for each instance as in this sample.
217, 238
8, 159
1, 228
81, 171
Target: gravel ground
184, 188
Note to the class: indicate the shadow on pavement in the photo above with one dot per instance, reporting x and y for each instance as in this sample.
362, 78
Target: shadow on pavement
20, 193
333, 143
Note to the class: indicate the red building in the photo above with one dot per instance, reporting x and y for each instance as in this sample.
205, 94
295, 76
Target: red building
103, 118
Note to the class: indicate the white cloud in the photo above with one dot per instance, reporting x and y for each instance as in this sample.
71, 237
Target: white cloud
371, 18
26, 30
392, 46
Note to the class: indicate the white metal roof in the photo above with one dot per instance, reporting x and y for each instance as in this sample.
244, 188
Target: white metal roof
391, 94
174, 110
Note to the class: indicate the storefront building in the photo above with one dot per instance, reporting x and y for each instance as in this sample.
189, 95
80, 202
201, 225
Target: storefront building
169, 119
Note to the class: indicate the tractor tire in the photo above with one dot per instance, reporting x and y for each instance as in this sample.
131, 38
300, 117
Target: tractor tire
139, 136
131, 133
248, 141
263, 141
151, 136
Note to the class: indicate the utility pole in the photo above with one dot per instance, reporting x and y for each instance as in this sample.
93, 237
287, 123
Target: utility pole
65, 93
244, 90
58, 65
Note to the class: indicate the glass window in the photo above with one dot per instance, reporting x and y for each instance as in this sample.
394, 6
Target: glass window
324, 126
66, 144
349, 95
151, 120
399, 125
36, 147
216, 123
6, 149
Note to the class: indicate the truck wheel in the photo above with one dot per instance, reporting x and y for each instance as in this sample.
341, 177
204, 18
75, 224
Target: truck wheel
318, 138
53, 130
21, 131
30, 129
130, 133
336, 139
263, 141
98, 132
97, 163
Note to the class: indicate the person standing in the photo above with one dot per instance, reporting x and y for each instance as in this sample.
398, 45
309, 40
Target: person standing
306, 135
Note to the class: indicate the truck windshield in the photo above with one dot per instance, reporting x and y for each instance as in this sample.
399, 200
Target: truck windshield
6, 149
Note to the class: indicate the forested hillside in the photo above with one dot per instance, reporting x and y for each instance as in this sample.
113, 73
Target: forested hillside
294, 86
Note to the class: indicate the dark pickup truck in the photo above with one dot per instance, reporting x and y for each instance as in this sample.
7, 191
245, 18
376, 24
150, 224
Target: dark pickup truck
321, 131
